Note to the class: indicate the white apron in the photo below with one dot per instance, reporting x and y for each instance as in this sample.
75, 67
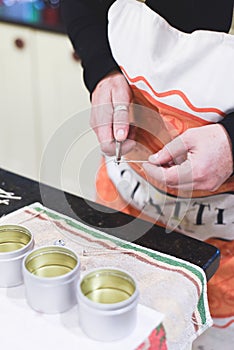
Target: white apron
190, 76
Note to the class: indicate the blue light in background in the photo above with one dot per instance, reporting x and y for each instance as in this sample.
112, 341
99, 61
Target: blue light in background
39, 5
44, 12
13, 2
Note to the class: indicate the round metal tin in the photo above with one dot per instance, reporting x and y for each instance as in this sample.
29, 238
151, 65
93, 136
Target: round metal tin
51, 275
15, 242
107, 301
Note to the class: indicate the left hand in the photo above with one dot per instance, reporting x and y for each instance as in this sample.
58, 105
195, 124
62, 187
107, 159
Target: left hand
112, 91
198, 159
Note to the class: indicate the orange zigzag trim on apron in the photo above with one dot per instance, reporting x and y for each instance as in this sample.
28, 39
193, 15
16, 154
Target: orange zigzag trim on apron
173, 92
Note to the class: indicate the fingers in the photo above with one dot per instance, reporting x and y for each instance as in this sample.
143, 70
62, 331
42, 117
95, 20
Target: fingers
176, 176
204, 167
109, 148
121, 99
175, 152
171, 167
121, 121
110, 113
101, 122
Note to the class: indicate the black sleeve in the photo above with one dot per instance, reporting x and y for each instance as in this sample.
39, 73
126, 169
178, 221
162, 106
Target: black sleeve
190, 15
86, 25
228, 124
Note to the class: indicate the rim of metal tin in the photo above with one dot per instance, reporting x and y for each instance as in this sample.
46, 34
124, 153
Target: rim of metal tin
109, 306
47, 280
16, 254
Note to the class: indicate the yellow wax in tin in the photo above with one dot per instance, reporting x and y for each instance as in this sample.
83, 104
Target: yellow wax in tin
108, 295
50, 263
13, 238
108, 286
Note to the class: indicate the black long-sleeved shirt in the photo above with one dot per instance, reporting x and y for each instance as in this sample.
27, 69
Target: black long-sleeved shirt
86, 23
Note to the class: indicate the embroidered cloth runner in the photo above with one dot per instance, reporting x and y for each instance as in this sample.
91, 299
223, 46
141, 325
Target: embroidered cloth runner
168, 286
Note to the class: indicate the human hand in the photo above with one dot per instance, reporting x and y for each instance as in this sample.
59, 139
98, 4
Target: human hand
198, 159
108, 124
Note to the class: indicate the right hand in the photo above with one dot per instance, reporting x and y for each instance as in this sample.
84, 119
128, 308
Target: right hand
111, 91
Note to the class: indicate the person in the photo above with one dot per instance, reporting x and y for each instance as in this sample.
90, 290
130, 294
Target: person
87, 27
209, 147
86, 22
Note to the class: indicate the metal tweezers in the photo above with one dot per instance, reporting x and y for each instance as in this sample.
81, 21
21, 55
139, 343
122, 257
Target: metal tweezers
118, 155
118, 152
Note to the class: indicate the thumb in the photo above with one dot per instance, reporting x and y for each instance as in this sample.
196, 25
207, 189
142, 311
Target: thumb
174, 151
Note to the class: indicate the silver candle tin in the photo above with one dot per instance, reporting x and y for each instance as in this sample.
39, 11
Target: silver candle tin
15, 242
51, 275
107, 300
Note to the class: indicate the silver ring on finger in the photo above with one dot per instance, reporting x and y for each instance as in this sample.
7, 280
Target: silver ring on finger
118, 108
